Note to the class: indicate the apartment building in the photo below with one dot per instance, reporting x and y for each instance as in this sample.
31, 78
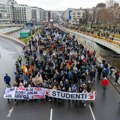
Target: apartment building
6, 15
73, 15
46, 16
12, 12
35, 15
77, 14
21, 13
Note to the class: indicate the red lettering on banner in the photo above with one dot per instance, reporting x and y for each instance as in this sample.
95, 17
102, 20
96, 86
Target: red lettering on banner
20, 88
37, 96
91, 96
37, 89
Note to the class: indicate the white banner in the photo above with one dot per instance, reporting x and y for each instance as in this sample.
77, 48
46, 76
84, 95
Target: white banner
40, 93
71, 96
24, 93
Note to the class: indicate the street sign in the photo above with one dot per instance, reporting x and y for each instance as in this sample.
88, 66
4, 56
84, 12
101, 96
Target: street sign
24, 34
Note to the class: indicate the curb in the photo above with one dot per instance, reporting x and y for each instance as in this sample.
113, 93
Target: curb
117, 87
13, 39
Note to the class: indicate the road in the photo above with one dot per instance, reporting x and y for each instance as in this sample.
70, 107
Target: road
8, 54
105, 107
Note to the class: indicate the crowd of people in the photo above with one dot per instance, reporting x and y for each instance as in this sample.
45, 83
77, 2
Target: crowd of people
56, 60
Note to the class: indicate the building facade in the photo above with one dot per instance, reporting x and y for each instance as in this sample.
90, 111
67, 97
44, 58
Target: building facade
46, 16
6, 11
41, 14
21, 13
76, 15
73, 16
11, 12
67, 15
35, 15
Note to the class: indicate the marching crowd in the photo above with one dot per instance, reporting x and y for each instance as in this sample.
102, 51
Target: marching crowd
56, 60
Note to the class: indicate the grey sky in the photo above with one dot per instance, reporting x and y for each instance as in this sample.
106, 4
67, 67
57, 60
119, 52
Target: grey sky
61, 4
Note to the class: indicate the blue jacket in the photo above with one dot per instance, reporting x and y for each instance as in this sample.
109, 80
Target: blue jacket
7, 79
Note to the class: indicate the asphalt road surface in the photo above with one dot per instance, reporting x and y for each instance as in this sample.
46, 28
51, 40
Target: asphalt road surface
106, 107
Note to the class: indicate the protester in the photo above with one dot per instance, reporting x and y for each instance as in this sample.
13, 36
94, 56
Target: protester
7, 79
104, 83
117, 76
56, 60
20, 60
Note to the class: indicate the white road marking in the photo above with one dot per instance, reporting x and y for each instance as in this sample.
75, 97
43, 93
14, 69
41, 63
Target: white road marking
92, 112
13, 44
12, 53
10, 112
51, 113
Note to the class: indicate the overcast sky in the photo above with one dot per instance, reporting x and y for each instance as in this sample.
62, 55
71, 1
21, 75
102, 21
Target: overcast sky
61, 4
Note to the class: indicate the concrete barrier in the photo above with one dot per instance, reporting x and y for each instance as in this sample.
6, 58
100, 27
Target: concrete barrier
9, 30
13, 31
12, 39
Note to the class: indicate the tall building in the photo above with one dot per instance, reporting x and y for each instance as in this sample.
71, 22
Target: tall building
11, 12
35, 15
67, 15
6, 1
41, 12
22, 13
46, 16
6, 13
50, 15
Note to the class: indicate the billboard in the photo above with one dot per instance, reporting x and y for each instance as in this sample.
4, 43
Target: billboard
70, 16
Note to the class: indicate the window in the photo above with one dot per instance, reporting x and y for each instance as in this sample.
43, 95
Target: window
74, 14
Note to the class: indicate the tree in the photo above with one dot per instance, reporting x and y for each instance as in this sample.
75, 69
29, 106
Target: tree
84, 19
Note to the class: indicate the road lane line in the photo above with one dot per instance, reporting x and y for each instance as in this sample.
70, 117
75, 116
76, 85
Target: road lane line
51, 113
13, 44
92, 112
12, 53
10, 112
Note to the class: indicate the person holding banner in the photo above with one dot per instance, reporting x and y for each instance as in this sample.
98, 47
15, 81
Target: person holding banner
82, 89
8, 88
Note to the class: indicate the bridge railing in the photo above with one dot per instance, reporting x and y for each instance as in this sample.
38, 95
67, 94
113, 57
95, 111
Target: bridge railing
115, 43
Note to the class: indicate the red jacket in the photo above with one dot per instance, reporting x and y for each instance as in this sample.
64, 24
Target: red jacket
70, 62
105, 82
